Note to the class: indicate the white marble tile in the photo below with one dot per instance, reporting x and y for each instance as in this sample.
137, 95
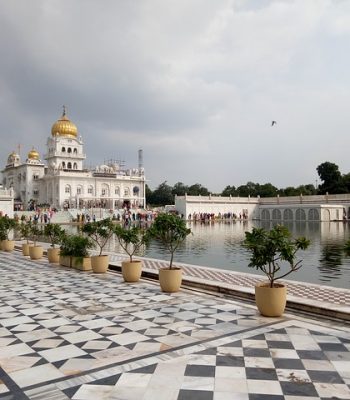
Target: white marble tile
230, 351
112, 330
62, 353
3, 388
16, 321
35, 335
338, 391
14, 350
304, 342
232, 385
134, 380
147, 314
5, 341
153, 392
297, 376
77, 365
34, 375
198, 383
259, 386
93, 392
47, 343
81, 336
319, 365
34, 310
230, 372
50, 323
97, 344
97, 323
284, 353
230, 396
255, 344
258, 362
138, 325
128, 338
25, 328
202, 359
18, 362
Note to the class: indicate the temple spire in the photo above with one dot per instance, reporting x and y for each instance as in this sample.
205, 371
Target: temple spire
64, 111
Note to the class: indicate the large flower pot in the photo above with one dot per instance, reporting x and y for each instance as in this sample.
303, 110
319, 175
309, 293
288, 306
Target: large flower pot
65, 261
25, 249
271, 302
36, 252
53, 254
8, 245
100, 264
170, 279
81, 263
131, 270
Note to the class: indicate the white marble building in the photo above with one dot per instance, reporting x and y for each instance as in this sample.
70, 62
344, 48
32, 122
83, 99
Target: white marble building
63, 181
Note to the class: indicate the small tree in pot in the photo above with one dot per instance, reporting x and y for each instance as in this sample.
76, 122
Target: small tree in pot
269, 250
99, 232
131, 239
7, 225
35, 252
25, 232
74, 252
170, 230
55, 234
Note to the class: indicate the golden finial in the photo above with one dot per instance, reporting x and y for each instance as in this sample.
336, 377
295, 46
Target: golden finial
64, 111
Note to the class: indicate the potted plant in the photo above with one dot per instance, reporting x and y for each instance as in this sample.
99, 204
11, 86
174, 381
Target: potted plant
7, 225
170, 230
130, 239
35, 251
270, 250
74, 252
25, 229
99, 232
55, 234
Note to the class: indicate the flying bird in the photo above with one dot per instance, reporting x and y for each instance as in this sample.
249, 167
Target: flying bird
273, 123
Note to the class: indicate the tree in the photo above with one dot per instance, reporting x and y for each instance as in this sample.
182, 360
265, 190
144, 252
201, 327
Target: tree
162, 195
250, 189
180, 189
331, 177
266, 190
229, 191
197, 189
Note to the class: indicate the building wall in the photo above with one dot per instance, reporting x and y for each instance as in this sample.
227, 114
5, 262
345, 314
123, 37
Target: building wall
6, 202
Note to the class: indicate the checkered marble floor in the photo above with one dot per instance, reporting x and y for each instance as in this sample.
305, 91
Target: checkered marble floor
67, 334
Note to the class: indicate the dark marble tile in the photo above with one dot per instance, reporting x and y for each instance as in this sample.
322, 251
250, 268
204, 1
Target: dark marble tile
303, 389
200, 370
229, 361
266, 374
195, 395
288, 363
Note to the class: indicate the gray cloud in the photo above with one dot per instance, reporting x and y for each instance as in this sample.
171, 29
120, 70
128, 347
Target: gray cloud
194, 83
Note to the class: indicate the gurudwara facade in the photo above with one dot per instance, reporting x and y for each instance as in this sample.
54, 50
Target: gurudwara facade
64, 182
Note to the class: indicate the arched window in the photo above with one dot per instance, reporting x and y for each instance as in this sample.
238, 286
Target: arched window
79, 189
135, 190
75, 151
69, 150
69, 165
300, 215
117, 190
90, 189
126, 192
63, 149
104, 190
313, 215
276, 214
265, 215
67, 189
75, 166
63, 165
287, 215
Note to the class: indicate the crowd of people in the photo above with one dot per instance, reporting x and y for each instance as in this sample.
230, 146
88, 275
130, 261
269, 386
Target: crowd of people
220, 216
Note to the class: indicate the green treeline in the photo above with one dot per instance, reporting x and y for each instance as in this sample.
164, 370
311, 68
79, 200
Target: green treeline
332, 182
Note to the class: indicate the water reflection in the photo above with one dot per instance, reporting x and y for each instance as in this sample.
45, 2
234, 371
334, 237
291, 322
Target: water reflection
219, 245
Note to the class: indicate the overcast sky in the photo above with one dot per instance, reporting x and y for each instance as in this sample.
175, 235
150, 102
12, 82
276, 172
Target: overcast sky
194, 83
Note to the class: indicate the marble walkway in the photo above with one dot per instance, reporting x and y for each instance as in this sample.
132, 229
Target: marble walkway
68, 334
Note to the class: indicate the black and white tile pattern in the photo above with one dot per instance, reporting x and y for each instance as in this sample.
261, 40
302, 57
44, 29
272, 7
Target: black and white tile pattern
71, 334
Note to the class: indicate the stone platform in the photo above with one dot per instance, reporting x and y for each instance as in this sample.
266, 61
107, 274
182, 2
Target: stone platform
68, 334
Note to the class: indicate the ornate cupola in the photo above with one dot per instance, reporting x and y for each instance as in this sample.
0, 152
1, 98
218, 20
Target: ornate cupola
64, 127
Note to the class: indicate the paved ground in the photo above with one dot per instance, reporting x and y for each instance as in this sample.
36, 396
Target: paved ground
66, 334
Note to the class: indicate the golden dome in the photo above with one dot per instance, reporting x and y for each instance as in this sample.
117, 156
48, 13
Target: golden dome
12, 157
33, 155
64, 127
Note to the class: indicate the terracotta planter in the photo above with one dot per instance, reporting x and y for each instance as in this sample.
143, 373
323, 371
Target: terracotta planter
170, 279
53, 255
65, 261
25, 249
271, 302
100, 264
36, 252
81, 263
8, 245
131, 270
